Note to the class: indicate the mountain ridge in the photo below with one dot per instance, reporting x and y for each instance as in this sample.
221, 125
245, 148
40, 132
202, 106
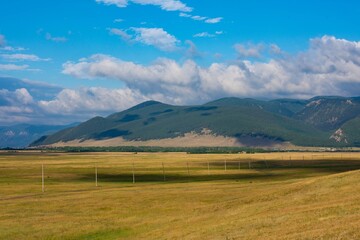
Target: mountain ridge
21, 135
310, 122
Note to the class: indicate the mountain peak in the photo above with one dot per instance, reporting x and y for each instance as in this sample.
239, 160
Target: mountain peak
232, 101
146, 104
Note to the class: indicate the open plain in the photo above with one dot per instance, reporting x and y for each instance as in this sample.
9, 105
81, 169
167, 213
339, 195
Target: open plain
179, 196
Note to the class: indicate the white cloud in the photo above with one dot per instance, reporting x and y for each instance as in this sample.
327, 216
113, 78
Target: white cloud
201, 18
198, 18
249, 50
206, 34
20, 96
118, 20
15, 106
203, 34
329, 67
90, 100
12, 49
167, 5
23, 96
118, 3
156, 37
22, 57
49, 37
185, 15
213, 20
13, 67
120, 33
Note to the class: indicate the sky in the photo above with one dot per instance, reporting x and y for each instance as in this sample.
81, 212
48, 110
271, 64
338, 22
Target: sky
67, 61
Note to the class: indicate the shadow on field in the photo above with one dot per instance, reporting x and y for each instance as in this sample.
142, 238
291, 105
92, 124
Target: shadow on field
127, 178
255, 170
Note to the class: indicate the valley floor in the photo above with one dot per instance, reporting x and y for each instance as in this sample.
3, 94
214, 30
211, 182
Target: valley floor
180, 196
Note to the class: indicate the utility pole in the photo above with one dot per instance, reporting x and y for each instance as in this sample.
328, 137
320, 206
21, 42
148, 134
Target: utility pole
42, 178
163, 171
96, 176
133, 172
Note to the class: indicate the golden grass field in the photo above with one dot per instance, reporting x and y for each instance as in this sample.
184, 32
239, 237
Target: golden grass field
282, 196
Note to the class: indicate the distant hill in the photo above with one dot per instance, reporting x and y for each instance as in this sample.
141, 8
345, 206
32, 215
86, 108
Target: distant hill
321, 121
21, 135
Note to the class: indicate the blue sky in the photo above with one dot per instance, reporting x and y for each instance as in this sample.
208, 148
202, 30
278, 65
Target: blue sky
106, 55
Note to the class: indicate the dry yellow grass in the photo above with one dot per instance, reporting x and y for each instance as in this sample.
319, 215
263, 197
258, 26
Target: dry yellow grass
311, 196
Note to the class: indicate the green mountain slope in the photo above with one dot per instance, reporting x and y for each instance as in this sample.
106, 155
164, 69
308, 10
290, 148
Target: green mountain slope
329, 113
240, 118
351, 131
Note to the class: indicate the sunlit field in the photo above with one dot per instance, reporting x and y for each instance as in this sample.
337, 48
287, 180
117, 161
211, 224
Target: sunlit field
179, 196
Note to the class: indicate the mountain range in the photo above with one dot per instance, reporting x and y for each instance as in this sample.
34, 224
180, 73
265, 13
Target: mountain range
21, 135
320, 121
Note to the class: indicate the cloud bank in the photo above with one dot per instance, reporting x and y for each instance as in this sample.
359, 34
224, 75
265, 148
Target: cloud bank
326, 68
330, 66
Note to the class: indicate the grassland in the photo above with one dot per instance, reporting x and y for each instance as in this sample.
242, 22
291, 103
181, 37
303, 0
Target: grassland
271, 196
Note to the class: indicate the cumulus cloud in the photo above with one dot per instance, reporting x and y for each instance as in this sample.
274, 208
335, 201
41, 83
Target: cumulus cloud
19, 101
20, 96
79, 104
92, 100
249, 50
15, 105
330, 66
324, 69
156, 37
23, 96
167, 5
22, 57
